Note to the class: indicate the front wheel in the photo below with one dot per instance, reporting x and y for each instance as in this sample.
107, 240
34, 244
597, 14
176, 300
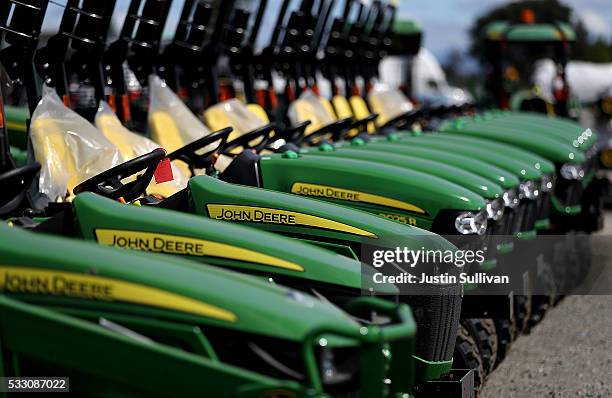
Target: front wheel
467, 356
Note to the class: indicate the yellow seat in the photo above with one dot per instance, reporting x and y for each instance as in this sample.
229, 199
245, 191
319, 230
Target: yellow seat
344, 111
111, 127
312, 108
329, 108
359, 106
361, 111
68, 147
51, 151
259, 111
165, 132
240, 117
131, 145
389, 104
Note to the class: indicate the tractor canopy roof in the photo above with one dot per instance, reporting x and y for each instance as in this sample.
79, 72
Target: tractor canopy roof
529, 33
60, 271
406, 39
406, 27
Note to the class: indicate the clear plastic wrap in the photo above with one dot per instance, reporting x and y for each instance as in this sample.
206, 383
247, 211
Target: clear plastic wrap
131, 145
172, 123
233, 113
310, 107
69, 148
388, 103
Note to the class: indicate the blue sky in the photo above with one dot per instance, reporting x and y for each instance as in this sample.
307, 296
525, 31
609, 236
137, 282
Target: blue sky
445, 22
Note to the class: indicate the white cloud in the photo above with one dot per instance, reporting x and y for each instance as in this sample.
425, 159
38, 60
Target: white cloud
595, 23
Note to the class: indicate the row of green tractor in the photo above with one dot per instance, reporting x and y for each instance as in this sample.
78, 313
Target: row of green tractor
188, 216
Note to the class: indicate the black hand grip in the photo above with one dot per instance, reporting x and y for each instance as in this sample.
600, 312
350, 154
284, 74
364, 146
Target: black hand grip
108, 183
189, 153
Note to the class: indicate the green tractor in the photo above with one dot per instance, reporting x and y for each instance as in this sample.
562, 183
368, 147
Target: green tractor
117, 323
509, 47
92, 214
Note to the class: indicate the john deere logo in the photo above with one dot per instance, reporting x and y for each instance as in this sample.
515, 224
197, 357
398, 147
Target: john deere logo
183, 245
57, 284
49, 282
266, 215
352, 196
251, 214
158, 244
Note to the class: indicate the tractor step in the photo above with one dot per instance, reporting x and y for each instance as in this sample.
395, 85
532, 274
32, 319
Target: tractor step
459, 383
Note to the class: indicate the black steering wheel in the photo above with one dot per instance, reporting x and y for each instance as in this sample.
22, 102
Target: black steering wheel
15, 184
189, 153
404, 119
266, 133
295, 134
108, 183
337, 129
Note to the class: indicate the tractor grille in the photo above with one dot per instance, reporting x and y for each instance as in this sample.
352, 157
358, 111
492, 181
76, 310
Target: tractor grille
569, 193
544, 205
510, 216
519, 215
437, 318
502, 229
530, 214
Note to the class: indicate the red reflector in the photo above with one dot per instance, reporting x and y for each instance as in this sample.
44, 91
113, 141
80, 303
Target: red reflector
163, 172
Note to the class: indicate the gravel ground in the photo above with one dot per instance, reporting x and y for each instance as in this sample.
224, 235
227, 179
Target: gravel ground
569, 354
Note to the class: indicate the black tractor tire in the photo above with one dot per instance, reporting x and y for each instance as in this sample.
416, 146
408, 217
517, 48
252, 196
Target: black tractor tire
522, 313
484, 333
546, 289
467, 356
506, 334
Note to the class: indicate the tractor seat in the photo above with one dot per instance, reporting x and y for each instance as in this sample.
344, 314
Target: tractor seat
69, 149
131, 145
389, 104
242, 118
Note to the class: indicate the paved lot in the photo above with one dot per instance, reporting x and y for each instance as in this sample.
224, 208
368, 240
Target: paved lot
569, 354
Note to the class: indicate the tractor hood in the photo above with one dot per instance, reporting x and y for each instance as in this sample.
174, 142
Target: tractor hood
521, 169
549, 147
565, 127
75, 270
475, 183
577, 141
367, 185
537, 161
504, 178
211, 197
218, 243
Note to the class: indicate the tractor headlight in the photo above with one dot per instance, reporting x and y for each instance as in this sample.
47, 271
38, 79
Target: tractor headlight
336, 370
495, 209
529, 190
511, 198
471, 223
546, 183
572, 171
